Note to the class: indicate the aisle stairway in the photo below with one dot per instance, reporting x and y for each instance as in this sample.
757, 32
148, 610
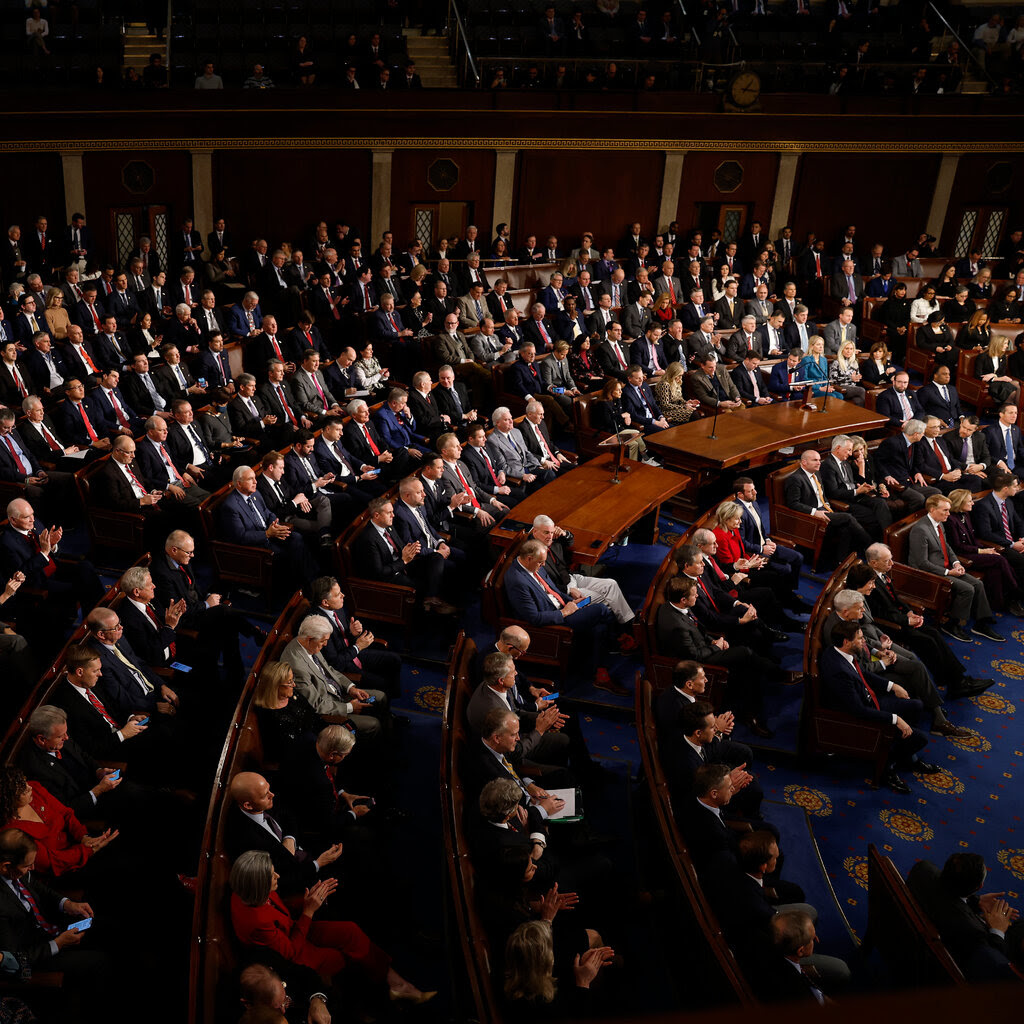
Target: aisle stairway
433, 64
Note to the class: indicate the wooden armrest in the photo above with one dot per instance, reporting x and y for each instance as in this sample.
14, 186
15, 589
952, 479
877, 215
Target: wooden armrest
163, 673
116, 765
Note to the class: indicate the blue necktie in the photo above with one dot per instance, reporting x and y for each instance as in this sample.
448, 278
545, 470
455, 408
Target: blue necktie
1010, 460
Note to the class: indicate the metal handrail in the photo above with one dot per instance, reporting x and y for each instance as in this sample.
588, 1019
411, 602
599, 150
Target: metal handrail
453, 9
965, 49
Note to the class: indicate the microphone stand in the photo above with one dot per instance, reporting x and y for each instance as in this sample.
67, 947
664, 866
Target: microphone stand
828, 385
713, 436
618, 452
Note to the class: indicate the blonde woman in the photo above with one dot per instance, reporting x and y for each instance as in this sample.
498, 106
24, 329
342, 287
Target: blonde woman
990, 367
814, 365
845, 374
669, 393
56, 315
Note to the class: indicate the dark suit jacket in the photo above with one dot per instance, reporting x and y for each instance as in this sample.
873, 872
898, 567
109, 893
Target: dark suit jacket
88, 726
244, 424
137, 394
608, 362
110, 489
988, 523
887, 404
40, 371
68, 779
122, 694
8, 467
528, 601
376, 560
641, 416
147, 640
801, 495
19, 929
843, 689
679, 636
996, 438
167, 383
214, 368
30, 439
932, 403
241, 833
237, 523
741, 379
894, 458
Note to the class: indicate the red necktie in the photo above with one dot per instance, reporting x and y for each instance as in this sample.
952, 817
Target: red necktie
86, 358
366, 298
329, 772
287, 407
391, 320
51, 440
172, 646
945, 550
707, 593
391, 541
1006, 522
501, 302
50, 929
543, 334
119, 412
817, 265
51, 565
490, 468
98, 705
618, 355
553, 593
17, 380
170, 465
188, 294
277, 348
341, 629
334, 308
319, 390
369, 440
871, 693
96, 320
15, 456
941, 457
544, 444
466, 487
671, 291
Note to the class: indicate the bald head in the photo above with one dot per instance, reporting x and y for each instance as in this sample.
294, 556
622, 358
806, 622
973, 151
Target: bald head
247, 787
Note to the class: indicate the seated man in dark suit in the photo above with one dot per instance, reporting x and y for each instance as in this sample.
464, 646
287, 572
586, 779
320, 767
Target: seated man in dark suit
149, 627
46, 366
754, 530
972, 927
532, 596
212, 364
359, 479
218, 624
948, 472
848, 684
141, 390
453, 400
1005, 441
27, 547
112, 349
309, 514
866, 505
78, 420
523, 378
940, 398
364, 441
897, 402
118, 486
900, 459
804, 492
488, 468
714, 388
750, 381
116, 415
303, 474
52, 491
245, 519
252, 419
251, 826
386, 553
158, 469
351, 646
783, 374
680, 635
174, 380
639, 401
997, 521
34, 921
397, 426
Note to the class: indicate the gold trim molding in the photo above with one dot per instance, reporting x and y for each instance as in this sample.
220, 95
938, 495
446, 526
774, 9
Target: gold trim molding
248, 144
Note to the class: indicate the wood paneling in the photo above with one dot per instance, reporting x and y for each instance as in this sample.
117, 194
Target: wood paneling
409, 186
757, 185
280, 195
33, 186
567, 193
972, 188
105, 188
886, 197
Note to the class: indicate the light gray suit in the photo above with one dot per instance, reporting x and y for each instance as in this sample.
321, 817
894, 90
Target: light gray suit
925, 553
467, 311
307, 398
536, 746
512, 447
901, 268
326, 690
831, 334
634, 321
555, 372
486, 348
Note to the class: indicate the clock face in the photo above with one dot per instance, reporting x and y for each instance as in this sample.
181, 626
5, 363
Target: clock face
745, 88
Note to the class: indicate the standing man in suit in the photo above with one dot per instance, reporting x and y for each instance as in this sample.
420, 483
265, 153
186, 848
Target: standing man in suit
930, 551
847, 285
805, 493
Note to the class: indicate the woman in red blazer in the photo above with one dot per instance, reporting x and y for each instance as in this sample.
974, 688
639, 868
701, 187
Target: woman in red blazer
260, 918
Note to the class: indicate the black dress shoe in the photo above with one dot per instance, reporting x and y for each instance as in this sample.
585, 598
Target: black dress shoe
985, 629
924, 768
776, 636
759, 729
956, 631
970, 686
895, 783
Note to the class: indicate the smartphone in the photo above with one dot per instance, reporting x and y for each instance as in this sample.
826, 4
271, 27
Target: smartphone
374, 472
201, 382
81, 926
142, 721
551, 696
180, 667
114, 776
559, 391
583, 602
370, 700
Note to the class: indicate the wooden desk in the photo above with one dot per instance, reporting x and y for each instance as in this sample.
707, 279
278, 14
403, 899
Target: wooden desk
750, 437
585, 501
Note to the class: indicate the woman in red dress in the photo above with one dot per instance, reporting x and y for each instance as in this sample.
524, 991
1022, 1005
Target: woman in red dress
260, 918
62, 841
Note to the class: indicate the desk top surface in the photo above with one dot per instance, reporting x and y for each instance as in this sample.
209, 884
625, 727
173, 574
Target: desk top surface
585, 501
747, 433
